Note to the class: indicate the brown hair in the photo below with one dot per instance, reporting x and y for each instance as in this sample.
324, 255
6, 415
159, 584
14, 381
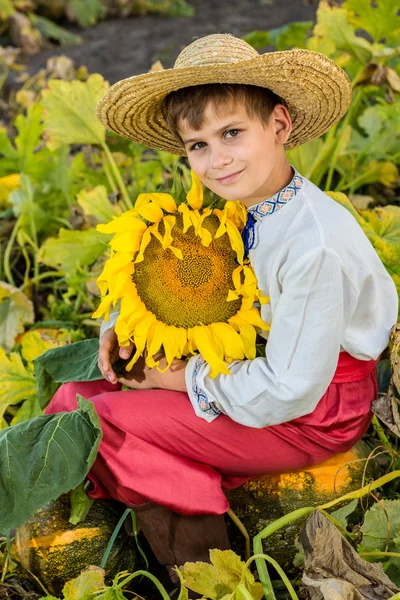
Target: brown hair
190, 103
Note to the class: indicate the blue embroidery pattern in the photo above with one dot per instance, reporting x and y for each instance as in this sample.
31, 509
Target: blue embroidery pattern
268, 207
202, 399
275, 203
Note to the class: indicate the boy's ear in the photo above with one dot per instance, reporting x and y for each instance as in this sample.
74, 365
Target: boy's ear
283, 123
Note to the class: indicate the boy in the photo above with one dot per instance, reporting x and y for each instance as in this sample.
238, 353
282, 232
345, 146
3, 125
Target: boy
332, 304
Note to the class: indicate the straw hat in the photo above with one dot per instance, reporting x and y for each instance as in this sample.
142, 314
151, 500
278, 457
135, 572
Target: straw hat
317, 91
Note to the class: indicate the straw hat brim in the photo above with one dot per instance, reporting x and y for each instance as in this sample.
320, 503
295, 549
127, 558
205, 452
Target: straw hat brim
316, 90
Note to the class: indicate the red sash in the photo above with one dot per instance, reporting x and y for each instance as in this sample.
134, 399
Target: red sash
352, 369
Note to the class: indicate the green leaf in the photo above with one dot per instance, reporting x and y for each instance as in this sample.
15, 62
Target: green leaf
73, 362
17, 383
70, 111
30, 129
219, 578
303, 157
291, 35
381, 525
52, 31
6, 148
258, 39
29, 409
90, 580
43, 458
379, 18
342, 514
80, 504
87, 12
15, 310
332, 24
6, 9
96, 204
73, 248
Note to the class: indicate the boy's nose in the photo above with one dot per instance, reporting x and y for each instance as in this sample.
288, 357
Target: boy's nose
219, 159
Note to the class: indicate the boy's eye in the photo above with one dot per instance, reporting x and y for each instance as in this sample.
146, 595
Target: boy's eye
234, 132
196, 144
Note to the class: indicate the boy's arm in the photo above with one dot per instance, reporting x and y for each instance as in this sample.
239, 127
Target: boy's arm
302, 351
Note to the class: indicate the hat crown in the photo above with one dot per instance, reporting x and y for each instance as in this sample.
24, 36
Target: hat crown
215, 49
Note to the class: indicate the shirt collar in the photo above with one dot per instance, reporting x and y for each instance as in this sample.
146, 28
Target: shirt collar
275, 202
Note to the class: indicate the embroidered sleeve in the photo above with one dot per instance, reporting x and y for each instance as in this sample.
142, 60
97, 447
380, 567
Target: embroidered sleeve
204, 407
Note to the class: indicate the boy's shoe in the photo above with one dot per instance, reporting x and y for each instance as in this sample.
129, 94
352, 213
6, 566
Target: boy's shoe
176, 539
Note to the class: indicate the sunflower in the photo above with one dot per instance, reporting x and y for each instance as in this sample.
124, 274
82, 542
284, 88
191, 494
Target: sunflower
180, 275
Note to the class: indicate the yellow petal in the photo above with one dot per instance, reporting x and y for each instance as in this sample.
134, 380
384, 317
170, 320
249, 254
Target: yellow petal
232, 296
155, 340
247, 335
103, 308
164, 201
253, 317
123, 223
143, 245
140, 336
151, 212
233, 345
187, 216
236, 240
195, 194
221, 214
204, 343
126, 241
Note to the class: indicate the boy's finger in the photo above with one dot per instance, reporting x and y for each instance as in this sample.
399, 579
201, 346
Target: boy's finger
125, 351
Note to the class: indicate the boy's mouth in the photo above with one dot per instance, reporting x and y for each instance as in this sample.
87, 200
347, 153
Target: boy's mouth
230, 178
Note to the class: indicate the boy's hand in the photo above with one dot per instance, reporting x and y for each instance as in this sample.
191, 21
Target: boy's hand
109, 352
142, 377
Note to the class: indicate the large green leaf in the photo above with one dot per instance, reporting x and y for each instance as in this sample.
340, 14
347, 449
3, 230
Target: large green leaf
379, 18
15, 310
95, 203
70, 111
6, 9
73, 248
17, 383
381, 525
43, 458
73, 362
332, 24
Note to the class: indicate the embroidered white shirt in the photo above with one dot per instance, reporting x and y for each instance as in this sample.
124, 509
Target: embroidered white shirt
328, 292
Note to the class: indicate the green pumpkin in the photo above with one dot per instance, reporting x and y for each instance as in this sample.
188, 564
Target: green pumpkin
56, 551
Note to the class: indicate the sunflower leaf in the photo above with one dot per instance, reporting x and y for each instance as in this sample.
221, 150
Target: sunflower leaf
379, 18
332, 23
72, 249
70, 111
73, 362
43, 458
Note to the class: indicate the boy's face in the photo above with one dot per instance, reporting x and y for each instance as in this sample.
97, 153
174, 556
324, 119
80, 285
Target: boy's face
237, 156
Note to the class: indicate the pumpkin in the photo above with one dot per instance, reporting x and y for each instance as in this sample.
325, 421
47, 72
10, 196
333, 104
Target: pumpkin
261, 501
56, 551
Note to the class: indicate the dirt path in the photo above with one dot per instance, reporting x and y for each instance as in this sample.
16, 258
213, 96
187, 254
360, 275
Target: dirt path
122, 47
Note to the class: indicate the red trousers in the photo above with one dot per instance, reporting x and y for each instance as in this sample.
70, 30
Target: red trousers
155, 448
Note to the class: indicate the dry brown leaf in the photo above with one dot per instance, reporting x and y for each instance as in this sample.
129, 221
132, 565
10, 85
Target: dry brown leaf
334, 570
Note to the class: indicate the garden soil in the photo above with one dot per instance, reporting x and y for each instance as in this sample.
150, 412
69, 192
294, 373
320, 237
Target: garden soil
118, 48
